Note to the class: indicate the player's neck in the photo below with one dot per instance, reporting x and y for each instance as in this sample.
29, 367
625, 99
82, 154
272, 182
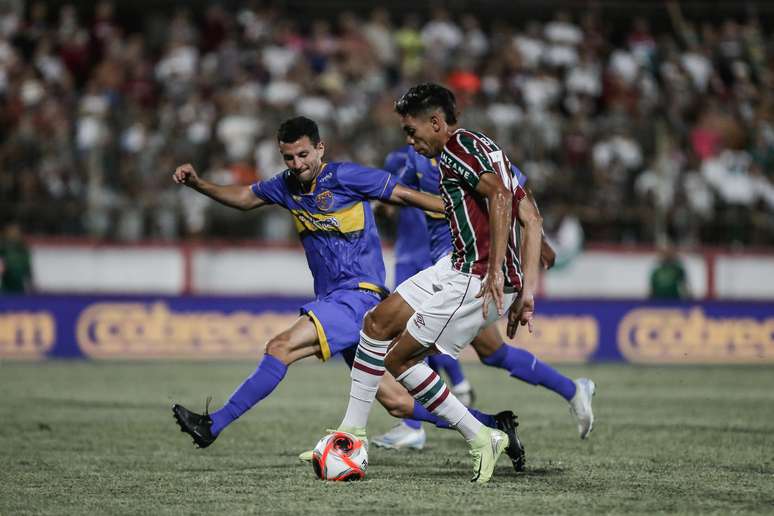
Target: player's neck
449, 132
308, 186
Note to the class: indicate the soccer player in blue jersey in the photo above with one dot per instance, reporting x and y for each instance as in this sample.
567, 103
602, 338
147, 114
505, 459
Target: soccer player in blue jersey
329, 203
422, 173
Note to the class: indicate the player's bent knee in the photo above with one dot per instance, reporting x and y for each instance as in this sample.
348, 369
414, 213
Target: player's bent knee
278, 347
376, 325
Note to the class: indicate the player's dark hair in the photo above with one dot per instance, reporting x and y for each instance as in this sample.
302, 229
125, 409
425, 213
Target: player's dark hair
293, 129
420, 99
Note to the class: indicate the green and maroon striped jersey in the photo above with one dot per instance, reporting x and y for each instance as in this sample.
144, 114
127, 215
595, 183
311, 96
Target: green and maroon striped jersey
466, 156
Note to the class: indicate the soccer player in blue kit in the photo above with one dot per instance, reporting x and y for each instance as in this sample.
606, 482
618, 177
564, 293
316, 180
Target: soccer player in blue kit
422, 173
330, 208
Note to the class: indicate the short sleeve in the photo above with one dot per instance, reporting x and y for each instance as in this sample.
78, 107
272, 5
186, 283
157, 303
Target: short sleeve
396, 161
272, 190
467, 158
370, 183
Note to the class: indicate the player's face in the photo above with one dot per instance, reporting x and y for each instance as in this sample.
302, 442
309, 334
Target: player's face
424, 134
303, 158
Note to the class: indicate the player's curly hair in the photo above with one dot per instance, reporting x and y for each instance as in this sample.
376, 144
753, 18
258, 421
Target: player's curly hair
293, 129
425, 97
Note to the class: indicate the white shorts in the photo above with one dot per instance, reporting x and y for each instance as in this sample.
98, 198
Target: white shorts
447, 313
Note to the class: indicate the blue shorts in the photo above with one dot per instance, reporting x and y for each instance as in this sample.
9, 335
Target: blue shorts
338, 318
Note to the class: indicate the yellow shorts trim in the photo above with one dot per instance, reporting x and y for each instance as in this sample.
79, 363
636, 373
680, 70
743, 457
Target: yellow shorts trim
325, 349
373, 287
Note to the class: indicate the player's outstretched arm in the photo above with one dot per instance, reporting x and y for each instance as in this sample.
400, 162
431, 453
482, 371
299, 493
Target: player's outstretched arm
530, 219
523, 309
235, 196
405, 196
547, 252
500, 201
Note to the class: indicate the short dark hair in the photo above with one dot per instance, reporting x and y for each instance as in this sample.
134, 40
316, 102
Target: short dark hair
425, 97
293, 129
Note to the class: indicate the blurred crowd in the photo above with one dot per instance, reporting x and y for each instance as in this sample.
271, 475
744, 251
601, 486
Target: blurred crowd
630, 133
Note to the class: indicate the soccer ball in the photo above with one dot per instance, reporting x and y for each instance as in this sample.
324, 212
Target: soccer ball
340, 457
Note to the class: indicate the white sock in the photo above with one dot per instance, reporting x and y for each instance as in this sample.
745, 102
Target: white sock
429, 390
367, 372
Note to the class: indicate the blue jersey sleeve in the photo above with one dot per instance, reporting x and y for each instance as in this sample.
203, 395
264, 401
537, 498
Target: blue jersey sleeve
409, 175
272, 190
518, 175
370, 183
396, 161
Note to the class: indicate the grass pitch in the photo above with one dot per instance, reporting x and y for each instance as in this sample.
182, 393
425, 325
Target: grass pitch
98, 438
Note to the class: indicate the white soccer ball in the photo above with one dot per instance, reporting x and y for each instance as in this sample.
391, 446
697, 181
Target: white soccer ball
340, 456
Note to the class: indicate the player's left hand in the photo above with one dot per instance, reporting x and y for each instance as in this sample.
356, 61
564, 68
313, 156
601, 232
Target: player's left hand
492, 290
522, 312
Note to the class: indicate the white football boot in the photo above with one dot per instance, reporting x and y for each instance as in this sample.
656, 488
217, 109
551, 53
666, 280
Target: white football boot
580, 406
401, 437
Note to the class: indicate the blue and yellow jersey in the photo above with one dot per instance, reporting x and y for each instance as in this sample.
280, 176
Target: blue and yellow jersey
412, 240
335, 223
422, 174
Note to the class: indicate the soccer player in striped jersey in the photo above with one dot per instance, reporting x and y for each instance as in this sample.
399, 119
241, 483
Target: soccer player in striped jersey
329, 203
413, 254
444, 307
423, 174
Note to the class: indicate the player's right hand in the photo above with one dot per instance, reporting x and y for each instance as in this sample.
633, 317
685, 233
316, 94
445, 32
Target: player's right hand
492, 290
522, 312
185, 175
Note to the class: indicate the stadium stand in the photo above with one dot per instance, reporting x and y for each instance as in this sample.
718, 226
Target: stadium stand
639, 133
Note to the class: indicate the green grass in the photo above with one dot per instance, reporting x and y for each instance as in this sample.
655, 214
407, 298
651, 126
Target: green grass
98, 438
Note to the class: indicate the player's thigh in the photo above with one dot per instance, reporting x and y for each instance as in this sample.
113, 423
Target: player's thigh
420, 287
487, 341
387, 320
338, 318
453, 317
297, 342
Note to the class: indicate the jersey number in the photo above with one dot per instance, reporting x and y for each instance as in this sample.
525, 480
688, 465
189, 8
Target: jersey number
498, 159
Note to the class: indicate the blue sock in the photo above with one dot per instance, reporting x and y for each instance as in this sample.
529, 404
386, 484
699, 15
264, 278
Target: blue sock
423, 414
257, 386
449, 365
525, 366
413, 423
